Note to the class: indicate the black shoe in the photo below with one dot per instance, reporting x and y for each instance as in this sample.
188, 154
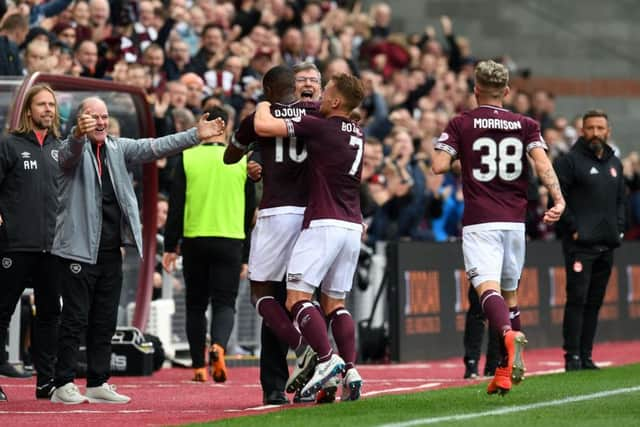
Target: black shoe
3, 397
489, 371
471, 369
45, 391
275, 398
572, 363
8, 370
588, 364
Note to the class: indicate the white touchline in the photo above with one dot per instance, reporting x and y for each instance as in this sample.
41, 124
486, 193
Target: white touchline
511, 409
394, 390
78, 411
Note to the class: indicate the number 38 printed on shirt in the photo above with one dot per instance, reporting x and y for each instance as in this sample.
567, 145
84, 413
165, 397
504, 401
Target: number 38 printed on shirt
503, 159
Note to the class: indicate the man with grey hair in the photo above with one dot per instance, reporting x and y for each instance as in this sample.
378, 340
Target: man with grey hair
97, 215
491, 144
308, 81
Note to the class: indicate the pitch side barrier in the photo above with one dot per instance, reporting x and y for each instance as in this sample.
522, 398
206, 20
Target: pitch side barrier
428, 298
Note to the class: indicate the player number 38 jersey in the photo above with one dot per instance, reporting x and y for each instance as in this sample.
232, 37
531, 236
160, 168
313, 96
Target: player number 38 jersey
492, 144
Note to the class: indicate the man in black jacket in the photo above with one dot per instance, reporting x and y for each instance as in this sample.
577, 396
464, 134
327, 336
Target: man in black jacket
592, 225
28, 188
13, 31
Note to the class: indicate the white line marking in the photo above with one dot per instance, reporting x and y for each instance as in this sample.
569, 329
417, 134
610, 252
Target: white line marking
512, 409
393, 390
255, 408
370, 393
78, 411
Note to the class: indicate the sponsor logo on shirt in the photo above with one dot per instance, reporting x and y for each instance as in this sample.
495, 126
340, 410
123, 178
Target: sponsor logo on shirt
593, 171
25, 155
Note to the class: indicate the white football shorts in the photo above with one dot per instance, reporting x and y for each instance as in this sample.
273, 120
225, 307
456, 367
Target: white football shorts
494, 254
327, 255
272, 241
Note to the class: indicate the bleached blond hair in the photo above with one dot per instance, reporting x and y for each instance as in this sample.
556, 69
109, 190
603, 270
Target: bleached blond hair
491, 77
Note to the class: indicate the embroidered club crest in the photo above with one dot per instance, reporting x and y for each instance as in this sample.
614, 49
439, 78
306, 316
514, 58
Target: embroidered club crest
75, 268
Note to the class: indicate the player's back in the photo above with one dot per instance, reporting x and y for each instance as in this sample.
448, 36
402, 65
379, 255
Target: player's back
284, 160
492, 145
335, 166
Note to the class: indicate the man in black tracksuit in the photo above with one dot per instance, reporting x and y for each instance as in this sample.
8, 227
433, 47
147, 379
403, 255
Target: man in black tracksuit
592, 225
28, 188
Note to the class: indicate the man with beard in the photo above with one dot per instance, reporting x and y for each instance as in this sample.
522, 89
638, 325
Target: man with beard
28, 188
591, 227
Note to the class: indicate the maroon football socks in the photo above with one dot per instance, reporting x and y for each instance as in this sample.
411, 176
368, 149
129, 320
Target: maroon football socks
496, 310
344, 334
279, 322
313, 328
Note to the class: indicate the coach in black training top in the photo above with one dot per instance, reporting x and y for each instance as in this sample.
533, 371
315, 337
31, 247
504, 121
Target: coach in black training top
591, 227
28, 189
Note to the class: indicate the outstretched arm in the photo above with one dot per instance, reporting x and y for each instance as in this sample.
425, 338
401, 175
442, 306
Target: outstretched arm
549, 179
267, 125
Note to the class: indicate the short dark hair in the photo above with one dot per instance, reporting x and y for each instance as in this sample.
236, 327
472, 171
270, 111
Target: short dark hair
595, 113
210, 26
279, 80
351, 88
215, 112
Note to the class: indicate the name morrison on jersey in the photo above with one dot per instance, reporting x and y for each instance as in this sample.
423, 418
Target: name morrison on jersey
496, 124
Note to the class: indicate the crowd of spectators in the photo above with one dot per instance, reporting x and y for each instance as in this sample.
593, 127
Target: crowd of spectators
190, 55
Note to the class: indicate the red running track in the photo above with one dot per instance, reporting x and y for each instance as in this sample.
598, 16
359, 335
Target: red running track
168, 397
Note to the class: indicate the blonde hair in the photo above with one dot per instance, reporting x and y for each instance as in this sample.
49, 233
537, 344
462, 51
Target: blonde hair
25, 124
491, 77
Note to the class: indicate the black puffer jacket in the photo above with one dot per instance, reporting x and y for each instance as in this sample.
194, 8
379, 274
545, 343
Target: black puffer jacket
28, 192
594, 191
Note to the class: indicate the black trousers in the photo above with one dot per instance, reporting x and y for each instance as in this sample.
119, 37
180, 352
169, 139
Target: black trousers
587, 277
19, 270
474, 333
274, 370
90, 298
211, 274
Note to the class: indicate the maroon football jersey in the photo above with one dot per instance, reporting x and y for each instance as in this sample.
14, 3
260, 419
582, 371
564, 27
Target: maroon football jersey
284, 160
335, 147
492, 144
